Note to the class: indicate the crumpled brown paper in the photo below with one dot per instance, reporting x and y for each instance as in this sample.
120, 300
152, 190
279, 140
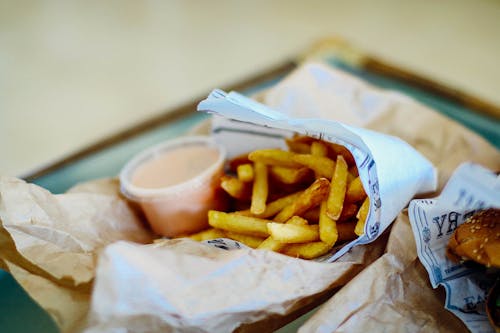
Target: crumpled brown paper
49, 243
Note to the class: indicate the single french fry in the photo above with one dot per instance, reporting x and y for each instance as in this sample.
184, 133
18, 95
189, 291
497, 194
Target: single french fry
299, 144
310, 198
236, 161
297, 220
274, 207
362, 214
236, 188
250, 241
346, 231
342, 151
273, 245
289, 175
319, 149
274, 157
328, 232
207, 234
335, 201
291, 233
246, 225
321, 165
306, 250
299, 147
245, 172
353, 170
355, 191
260, 189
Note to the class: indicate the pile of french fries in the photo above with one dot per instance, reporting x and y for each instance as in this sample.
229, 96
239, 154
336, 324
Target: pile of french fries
299, 202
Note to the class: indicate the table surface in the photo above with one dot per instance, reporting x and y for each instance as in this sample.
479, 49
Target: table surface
73, 73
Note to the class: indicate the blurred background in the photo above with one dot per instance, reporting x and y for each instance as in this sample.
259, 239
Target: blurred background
75, 72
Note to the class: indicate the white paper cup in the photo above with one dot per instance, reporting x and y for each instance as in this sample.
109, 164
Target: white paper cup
180, 207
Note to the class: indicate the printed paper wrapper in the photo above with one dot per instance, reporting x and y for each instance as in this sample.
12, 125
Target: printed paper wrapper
392, 171
471, 188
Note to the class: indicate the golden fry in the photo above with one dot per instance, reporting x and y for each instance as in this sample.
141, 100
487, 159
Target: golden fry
319, 149
291, 233
321, 165
236, 188
238, 160
307, 250
207, 235
310, 198
250, 241
274, 207
260, 189
339, 150
245, 172
272, 244
289, 175
335, 201
362, 214
297, 220
246, 225
328, 232
274, 157
355, 191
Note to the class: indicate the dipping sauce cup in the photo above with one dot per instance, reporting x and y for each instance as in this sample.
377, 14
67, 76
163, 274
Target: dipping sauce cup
176, 183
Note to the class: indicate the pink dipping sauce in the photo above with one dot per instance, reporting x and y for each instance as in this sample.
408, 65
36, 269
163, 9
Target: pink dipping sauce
174, 166
176, 183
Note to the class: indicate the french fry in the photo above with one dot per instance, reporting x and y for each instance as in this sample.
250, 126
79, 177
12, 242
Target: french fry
291, 233
274, 157
236, 161
250, 241
299, 147
274, 207
260, 189
321, 165
207, 234
236, 188
328, 232
342, 151
246, 225
355, 191
272, 244
299, 144
335, 201
245, 172
289, 175
310, 198
362, 214
306, 250
319, 149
